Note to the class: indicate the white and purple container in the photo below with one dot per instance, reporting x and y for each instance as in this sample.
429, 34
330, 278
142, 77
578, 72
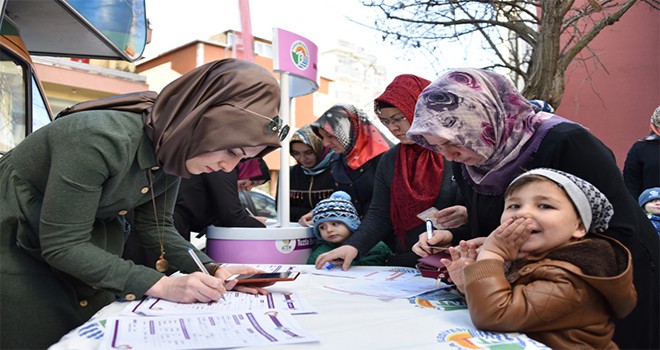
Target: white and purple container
249, 245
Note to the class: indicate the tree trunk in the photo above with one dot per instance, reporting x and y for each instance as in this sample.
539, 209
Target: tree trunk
542, 80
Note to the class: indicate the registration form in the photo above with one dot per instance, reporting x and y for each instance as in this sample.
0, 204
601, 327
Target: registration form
206, 331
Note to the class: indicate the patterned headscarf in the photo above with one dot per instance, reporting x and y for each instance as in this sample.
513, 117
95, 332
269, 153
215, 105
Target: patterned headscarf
306, 135
355, 133
221, 105
483, 112
655, 117
594, 208
414, 165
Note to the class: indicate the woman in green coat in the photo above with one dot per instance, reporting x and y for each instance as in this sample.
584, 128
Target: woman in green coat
66, 188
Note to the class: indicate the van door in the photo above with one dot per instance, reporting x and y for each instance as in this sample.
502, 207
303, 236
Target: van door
23, 107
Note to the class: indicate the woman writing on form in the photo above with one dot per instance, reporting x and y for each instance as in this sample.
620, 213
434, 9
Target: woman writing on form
66, 188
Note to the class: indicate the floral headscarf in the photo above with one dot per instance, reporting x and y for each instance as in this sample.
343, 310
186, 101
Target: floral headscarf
355, 133
306, 135
483, 112
414, 164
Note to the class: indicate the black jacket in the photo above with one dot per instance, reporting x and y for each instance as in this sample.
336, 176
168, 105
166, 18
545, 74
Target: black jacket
377, 224
210, 199
358, 183
306, 190
642, 167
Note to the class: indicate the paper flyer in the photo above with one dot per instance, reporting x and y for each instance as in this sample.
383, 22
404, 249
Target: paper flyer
234, 301
208, 331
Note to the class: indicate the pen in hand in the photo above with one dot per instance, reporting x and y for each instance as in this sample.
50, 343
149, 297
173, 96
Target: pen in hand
200, 265
429, 229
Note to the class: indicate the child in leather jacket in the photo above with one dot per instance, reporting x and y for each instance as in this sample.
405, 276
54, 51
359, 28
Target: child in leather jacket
545, 270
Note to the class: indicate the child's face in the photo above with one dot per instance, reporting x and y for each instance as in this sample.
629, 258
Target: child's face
556, 222
334, 231
653, 207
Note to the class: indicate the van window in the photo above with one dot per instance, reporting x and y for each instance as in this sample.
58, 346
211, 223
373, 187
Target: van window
13, 102
13, 99
40, 115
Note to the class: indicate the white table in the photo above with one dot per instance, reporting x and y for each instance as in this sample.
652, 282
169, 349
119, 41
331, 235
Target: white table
343, 321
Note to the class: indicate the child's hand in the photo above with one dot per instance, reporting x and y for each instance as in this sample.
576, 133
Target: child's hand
504, 243
461, 256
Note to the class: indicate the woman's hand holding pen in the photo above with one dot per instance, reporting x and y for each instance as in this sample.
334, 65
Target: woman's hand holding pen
426, 242
346, 254
195, 287
201, 287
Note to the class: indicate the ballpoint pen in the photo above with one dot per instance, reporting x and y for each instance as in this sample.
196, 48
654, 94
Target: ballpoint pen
200, 265
429, 228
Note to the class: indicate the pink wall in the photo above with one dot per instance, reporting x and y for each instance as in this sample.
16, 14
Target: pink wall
616, 103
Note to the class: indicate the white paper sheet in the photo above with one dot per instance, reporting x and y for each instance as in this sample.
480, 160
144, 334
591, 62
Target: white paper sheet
234, 301
388, 289
209, 331
358, 272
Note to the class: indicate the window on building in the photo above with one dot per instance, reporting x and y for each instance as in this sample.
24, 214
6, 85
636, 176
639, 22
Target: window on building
263, 49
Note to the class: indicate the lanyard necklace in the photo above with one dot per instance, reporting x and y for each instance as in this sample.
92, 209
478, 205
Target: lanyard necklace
161, 264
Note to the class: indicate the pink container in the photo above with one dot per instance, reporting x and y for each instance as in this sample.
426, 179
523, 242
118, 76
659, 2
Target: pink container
271, 245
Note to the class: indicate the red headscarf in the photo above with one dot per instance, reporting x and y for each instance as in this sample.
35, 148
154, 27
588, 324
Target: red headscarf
417, 171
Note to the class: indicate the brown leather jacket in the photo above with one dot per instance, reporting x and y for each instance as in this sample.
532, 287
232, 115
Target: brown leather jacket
565, 298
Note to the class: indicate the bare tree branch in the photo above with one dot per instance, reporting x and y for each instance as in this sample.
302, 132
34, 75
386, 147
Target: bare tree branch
535, 40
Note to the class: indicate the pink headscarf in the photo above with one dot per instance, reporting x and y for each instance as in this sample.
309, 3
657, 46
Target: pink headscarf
483, 112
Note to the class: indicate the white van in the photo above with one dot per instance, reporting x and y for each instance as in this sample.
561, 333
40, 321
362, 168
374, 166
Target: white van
109, 29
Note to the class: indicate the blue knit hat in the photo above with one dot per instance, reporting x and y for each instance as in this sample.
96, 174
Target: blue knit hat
337, 207
542, 106
649, 195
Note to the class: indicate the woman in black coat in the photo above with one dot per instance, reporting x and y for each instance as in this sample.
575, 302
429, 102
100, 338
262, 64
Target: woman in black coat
310, 180
409, 180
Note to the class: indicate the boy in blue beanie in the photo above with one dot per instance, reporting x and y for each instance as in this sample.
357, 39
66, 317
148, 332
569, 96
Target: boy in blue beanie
335, 219
649, 200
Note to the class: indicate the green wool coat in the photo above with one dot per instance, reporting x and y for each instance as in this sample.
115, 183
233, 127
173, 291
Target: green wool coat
64, 192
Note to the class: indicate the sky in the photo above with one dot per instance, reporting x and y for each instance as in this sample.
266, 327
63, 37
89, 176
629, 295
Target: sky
176, 22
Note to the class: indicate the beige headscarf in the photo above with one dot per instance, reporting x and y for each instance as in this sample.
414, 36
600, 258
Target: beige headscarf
202, 111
